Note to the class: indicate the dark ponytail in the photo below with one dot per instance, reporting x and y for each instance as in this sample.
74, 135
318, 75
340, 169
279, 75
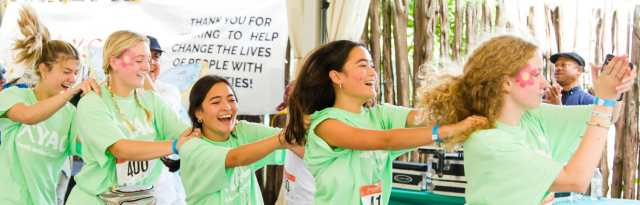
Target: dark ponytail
313, 89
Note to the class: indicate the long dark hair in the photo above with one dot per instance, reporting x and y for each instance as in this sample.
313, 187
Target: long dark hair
196, 98
313, 89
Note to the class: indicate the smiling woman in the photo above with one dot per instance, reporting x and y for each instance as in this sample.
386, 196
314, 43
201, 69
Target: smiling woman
31, 168
531, 149
349, 148
219, 169
125, 132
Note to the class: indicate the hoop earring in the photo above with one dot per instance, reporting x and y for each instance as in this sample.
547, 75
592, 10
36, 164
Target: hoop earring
199, 120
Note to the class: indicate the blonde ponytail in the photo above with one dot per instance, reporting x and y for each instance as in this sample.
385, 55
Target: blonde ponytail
37, 47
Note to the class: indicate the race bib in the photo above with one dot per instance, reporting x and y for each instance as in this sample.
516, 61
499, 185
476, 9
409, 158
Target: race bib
289, 184
371, 194
132, 172
549, 199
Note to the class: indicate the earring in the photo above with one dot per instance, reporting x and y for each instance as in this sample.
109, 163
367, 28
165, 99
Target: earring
340, 86
44, 77
199, 120
507, 91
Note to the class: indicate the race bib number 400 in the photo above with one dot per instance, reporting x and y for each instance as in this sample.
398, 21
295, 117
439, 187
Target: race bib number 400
371, 194
132, 172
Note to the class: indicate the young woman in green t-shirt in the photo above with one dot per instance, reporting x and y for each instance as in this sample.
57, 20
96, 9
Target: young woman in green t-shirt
124, 132
36, 124
219, 168
349, 148
521, 158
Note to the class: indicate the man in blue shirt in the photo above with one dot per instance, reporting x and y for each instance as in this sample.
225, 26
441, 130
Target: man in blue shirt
569, 67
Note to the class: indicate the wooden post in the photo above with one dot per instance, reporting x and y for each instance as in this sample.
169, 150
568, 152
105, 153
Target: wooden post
287, 64
531, 19
419, 39
552, 46
501, 20
431, 7
604, 166
614, 32
472, 23
456, 46
400, 19
631, 118
365, 33
387, 72
486, 16
599, 36
557, 24
374, 11
444, 28
618, 157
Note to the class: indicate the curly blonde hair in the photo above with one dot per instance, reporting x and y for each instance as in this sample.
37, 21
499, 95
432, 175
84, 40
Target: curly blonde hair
478, 91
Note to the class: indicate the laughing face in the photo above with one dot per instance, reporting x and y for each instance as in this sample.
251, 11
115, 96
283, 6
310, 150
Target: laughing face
358, 78
61, 77
132, 66
218, 111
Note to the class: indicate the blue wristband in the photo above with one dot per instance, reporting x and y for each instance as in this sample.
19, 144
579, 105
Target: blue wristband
174, 146
604, 102
434, 134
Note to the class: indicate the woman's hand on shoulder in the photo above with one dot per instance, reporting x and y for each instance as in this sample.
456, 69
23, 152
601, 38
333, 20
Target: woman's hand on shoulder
470, 123
187, 135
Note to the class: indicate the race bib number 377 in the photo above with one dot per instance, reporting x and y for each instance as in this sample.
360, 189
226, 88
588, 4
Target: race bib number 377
132, 172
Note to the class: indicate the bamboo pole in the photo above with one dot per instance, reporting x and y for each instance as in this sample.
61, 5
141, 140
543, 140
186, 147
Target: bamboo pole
374, 11
400, 20
631, 118
456, 46
387, 72
443, 6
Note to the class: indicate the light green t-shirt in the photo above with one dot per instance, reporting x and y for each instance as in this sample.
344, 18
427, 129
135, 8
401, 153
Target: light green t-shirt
31, 156
205, 179
100, 126
339, 172
518, 164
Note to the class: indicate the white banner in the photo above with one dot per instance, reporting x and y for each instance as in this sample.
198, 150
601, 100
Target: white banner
242, 40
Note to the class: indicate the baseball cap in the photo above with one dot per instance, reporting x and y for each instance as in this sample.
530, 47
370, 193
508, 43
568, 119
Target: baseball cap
153, 44
571, 55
